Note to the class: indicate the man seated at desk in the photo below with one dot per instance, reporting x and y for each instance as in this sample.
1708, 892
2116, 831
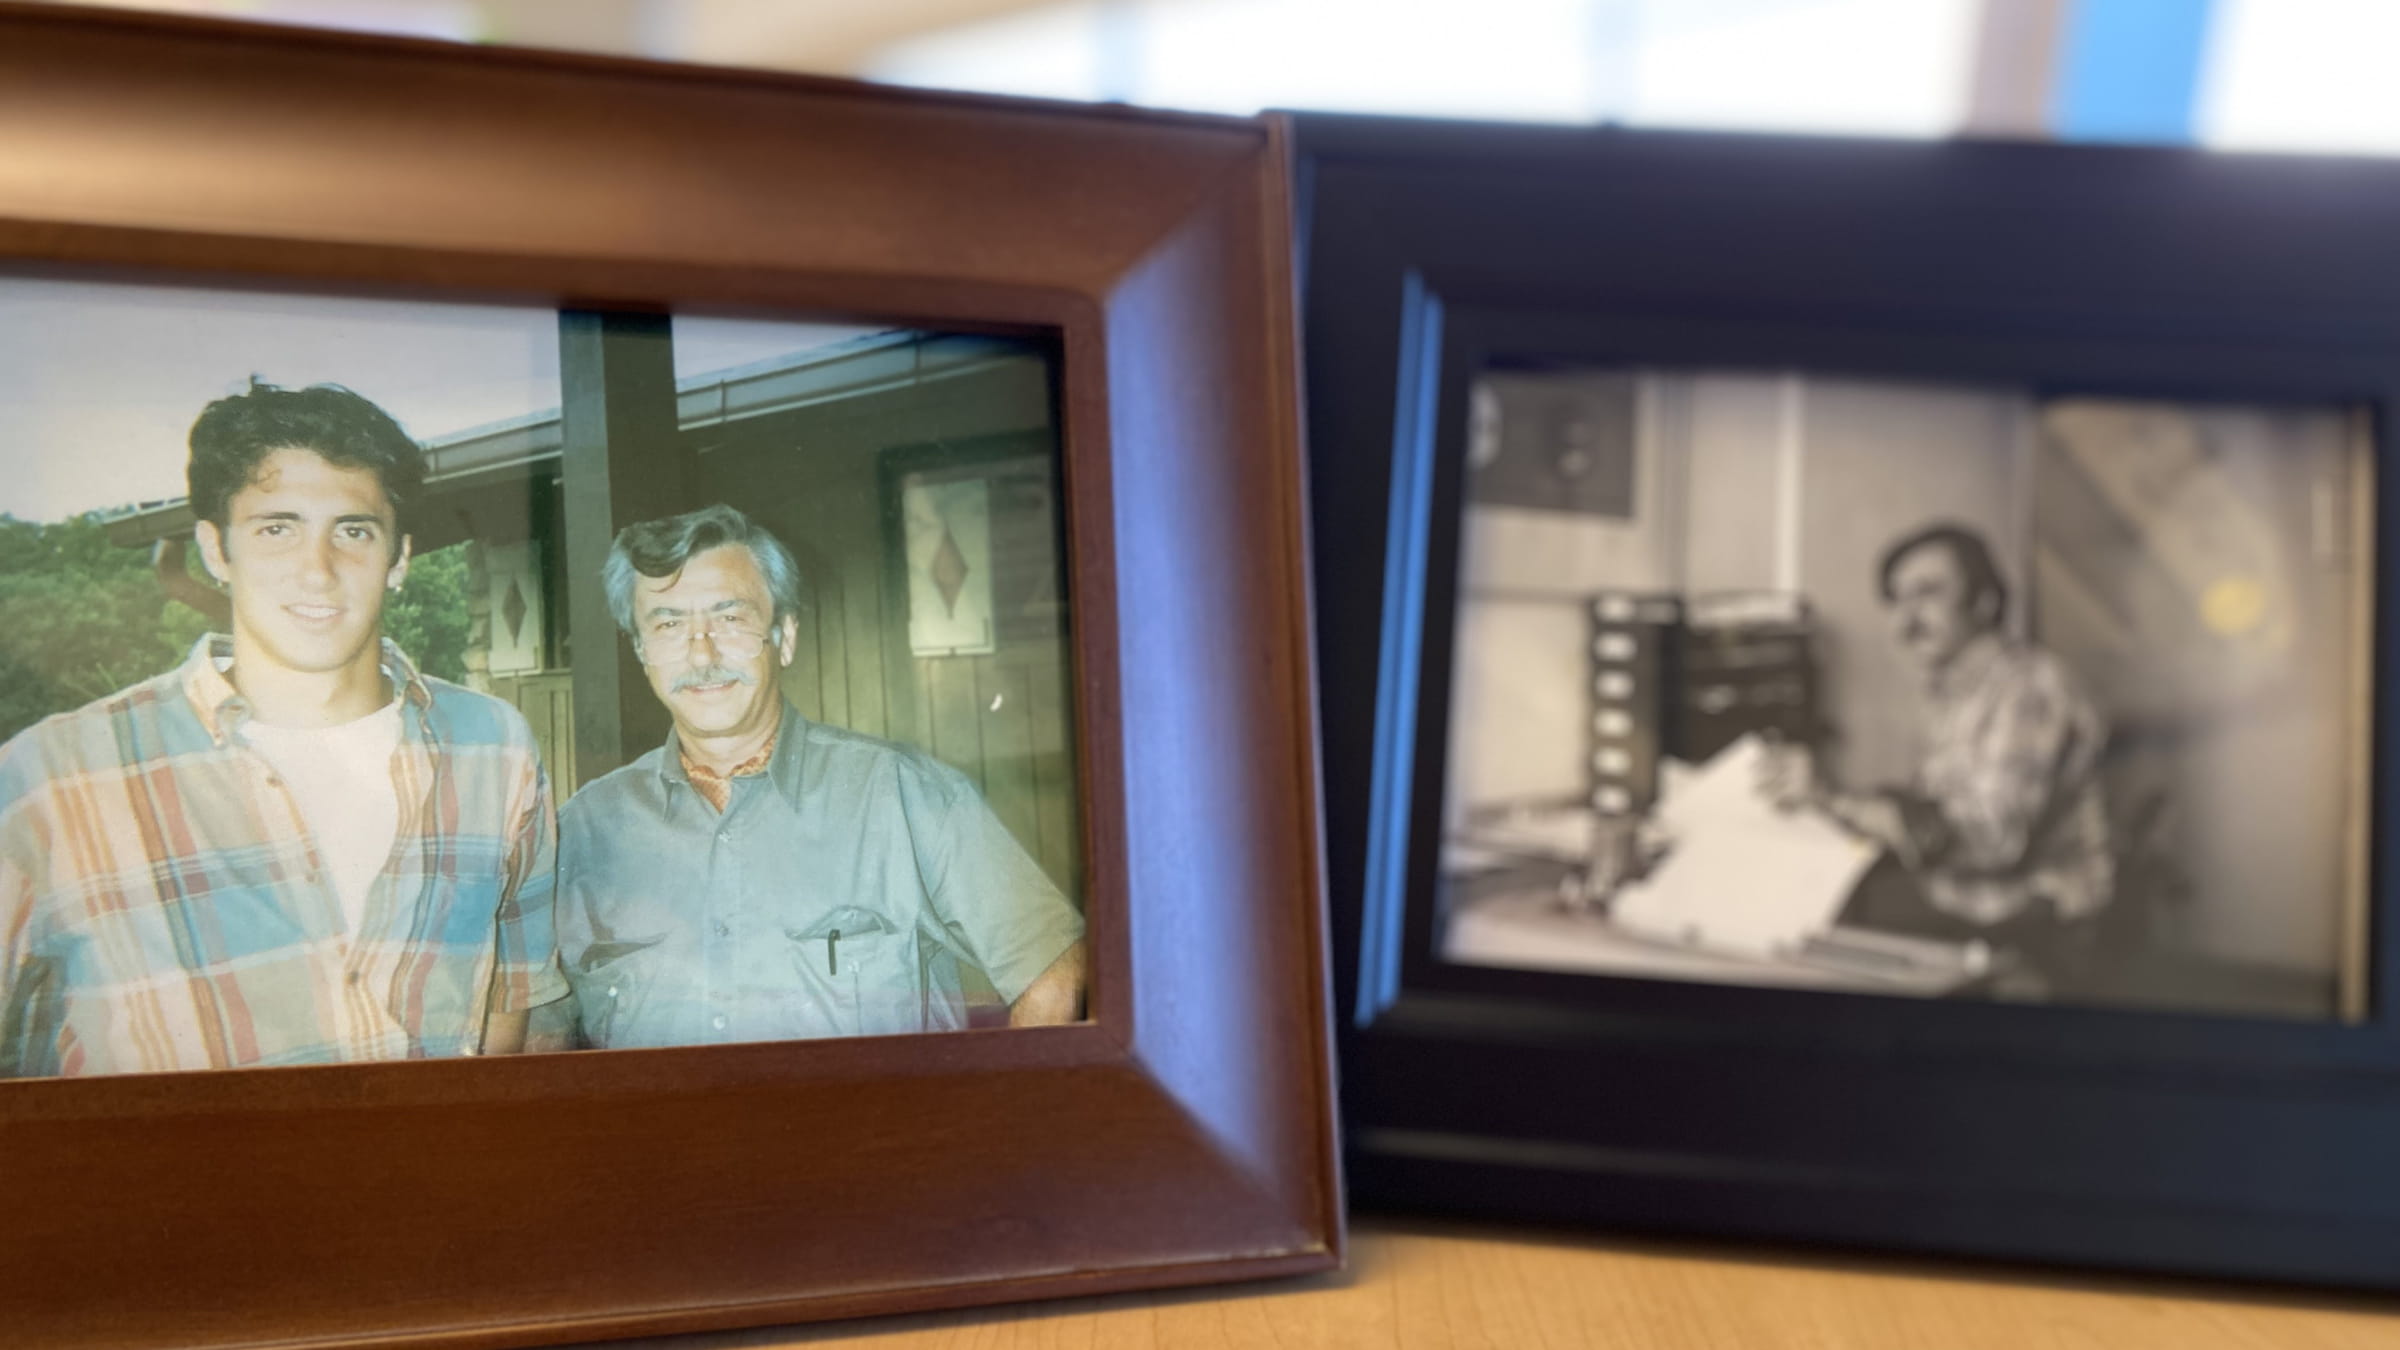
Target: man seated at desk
2001, 835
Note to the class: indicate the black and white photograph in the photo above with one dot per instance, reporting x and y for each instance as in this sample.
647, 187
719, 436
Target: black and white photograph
397, 680
1830, 682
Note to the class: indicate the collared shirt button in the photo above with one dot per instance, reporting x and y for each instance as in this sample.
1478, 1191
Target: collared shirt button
718, 1021
724, 836
356, 978
721, 928
612, 991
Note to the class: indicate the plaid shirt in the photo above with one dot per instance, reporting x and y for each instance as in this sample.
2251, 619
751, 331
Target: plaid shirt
2006, 806
163, 906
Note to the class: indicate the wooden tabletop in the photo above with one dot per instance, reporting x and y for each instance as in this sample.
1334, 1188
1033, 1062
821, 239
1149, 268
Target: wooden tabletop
1416, 1285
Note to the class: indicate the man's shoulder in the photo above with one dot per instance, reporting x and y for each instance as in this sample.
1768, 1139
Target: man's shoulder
471, 716
2036, 671
2030, 662
909, 768
147, 720
616, 788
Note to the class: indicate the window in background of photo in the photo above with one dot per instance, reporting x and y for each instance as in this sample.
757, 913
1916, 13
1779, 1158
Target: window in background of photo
1883, 67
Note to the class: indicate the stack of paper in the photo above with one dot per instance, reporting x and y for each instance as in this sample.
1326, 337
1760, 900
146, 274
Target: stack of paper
1742, 875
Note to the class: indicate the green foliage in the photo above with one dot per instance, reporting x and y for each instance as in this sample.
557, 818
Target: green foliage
428, 618
81, 617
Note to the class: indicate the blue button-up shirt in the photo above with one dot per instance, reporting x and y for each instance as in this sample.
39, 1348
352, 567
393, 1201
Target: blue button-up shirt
837, 895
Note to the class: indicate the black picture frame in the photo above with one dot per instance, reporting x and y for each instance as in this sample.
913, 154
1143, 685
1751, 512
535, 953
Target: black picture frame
2168, 1142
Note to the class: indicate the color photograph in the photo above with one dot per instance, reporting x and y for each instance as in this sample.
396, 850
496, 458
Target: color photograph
394, 680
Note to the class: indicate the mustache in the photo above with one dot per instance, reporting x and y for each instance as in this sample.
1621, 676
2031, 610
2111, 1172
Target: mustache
710, 675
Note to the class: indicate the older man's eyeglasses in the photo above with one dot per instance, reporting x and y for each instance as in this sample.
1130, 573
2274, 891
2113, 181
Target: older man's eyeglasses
669, 636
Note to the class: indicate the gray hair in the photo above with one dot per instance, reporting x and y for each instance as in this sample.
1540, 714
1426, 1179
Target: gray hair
660, 548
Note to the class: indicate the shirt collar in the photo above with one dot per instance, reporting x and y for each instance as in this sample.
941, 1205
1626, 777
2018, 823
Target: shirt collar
1972, 666
221, 707
783, 767
717, 788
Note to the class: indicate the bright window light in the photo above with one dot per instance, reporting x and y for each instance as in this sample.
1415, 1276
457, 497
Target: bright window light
1878, 67
452, 20
1055, 52
1526, 59
2303, 75
1886, 67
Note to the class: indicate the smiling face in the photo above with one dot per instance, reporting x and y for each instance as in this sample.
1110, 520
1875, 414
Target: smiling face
709, 642
307, 551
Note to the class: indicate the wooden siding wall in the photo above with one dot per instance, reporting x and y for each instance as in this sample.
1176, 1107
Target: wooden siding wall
1003, 720
547, 698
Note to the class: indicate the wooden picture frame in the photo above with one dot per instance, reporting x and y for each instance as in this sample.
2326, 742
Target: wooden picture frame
1182, 1134
2175, 1139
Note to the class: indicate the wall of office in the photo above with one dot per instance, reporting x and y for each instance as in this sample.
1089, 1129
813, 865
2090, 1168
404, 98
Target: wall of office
1743, 483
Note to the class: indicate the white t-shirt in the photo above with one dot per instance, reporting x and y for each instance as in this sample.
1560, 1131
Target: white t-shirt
341, 778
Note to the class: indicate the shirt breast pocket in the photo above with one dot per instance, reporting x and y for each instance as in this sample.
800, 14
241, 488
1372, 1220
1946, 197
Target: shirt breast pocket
606, 977
865, 964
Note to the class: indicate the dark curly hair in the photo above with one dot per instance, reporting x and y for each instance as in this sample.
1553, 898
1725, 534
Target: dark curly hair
233, 435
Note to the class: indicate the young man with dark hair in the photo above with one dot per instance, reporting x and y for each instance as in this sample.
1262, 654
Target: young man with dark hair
764, 877
294, 848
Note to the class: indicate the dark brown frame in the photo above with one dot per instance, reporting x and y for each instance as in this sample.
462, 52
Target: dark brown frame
1182, 1135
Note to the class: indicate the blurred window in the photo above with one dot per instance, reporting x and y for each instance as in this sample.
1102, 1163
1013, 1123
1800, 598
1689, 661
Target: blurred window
2302, 75
1892, 67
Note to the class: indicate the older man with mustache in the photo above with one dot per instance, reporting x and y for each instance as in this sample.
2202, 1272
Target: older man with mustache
764, 877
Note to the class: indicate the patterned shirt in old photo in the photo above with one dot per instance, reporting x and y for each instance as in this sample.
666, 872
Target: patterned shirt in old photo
2006, 807
163, 905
